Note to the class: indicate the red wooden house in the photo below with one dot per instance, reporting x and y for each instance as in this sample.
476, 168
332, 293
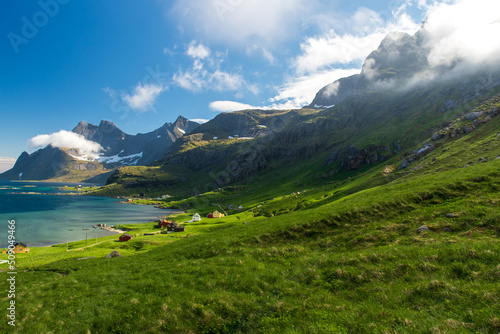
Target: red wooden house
163, 223
125, 237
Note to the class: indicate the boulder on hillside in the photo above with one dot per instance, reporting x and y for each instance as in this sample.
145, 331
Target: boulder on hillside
113, 254
473, 115
423, 228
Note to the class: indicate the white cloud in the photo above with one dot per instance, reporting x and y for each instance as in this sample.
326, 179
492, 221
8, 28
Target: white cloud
331, 90
144, 97
228, 106
190, 80
206, 73
67, 139
334, 50
199, 120
198, 51
465, 31
6, 163
197, 80
222, 81
240, 22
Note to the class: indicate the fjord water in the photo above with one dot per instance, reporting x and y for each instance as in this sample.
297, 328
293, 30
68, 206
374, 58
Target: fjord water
44, 218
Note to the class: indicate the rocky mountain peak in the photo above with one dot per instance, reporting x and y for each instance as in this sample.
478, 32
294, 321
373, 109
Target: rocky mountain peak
85, 129
107, 125
399, 56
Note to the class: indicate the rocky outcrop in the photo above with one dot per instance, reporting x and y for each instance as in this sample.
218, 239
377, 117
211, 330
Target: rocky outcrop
414, 155
353, 158
469, 122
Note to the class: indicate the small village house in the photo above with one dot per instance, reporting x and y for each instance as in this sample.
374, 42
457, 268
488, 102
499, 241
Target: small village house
239, 208
18, 248
179, 229
217, 214
172, 226
125, 237
163, 223
196, 217
210, 215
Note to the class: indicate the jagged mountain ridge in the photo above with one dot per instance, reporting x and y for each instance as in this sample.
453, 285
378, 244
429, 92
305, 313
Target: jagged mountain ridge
119, 149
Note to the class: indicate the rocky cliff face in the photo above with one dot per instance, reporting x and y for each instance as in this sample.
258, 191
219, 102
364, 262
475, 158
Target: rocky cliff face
353, 158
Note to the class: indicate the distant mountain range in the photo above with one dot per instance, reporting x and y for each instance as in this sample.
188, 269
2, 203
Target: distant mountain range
118, 149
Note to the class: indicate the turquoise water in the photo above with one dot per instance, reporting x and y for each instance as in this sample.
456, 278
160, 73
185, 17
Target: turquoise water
43, 219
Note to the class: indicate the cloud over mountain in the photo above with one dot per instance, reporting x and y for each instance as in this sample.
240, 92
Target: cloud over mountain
67, 139
228, 106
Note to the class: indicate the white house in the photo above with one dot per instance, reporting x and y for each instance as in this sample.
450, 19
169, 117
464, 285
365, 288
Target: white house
196, 217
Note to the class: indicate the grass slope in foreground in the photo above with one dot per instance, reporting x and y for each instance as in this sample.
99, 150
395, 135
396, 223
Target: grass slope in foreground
348, 263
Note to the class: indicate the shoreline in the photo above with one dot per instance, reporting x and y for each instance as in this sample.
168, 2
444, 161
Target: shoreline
113, 230
107, 230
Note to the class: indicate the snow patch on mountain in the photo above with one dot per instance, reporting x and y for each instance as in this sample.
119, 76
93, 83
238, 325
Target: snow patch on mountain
125, 160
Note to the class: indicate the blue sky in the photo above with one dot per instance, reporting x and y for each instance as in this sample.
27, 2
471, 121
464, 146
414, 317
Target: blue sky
143, 63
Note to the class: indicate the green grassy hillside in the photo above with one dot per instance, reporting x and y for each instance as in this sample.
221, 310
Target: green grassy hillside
316, 249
